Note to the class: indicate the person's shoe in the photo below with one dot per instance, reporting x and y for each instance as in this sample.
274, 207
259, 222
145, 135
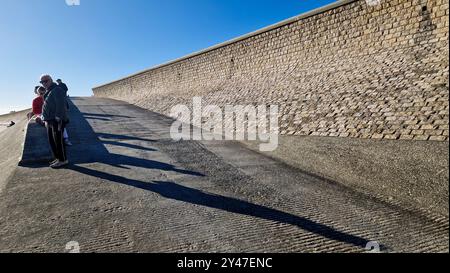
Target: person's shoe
67, 142
59, 164
54, 161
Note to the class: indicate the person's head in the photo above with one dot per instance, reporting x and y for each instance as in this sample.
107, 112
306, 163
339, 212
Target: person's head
41, 91
46, 81
59, 81
36, 90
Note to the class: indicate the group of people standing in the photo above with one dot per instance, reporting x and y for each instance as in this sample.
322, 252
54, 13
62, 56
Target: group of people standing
50, 109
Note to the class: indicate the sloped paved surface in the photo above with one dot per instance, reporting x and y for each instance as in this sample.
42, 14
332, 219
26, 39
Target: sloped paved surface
132, 189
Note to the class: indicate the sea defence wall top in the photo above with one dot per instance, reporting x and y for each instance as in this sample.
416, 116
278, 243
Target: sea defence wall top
349, 69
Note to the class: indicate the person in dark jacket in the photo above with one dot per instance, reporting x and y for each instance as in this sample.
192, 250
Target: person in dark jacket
54, 114
65, 88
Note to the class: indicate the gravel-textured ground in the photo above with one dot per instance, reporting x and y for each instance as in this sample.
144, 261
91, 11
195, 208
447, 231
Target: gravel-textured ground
11, 140
130, 188
413, 174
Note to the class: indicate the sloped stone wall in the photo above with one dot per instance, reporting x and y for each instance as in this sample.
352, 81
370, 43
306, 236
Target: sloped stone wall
351, 70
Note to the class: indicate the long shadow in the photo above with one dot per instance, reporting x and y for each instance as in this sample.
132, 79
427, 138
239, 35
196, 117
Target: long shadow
127, 145
95, 151
181, 193
121, 161
96, 118
122, 137
92, 149
105, 115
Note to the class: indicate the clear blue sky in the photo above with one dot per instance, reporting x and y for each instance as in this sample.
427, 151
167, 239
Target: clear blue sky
102, 40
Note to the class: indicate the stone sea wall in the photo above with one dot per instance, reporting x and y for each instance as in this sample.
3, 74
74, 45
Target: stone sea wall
349, 69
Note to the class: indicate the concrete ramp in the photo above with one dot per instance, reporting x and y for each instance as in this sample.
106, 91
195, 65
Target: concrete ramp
130, 188
36, 148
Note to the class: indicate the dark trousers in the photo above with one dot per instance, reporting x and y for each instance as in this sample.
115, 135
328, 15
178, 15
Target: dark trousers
56, 140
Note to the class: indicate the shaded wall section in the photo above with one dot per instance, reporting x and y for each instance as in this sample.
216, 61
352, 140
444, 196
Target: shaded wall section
346, 70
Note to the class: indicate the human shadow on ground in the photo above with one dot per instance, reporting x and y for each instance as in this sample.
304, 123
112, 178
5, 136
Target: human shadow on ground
96, 151
97, 118
128, 145
90, 148
122, 137
105, 115
175, 191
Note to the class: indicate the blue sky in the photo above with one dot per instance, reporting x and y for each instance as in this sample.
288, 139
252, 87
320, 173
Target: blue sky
103, 40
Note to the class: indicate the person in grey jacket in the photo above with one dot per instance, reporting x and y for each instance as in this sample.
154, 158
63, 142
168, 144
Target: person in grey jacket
54, 114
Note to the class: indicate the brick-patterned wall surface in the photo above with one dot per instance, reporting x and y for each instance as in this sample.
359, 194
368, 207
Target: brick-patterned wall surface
352, 71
